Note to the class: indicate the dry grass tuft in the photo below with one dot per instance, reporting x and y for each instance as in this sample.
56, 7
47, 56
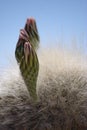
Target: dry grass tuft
61, 90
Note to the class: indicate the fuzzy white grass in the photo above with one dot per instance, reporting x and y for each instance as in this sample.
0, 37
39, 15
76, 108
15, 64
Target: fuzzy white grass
62, 82
11, 81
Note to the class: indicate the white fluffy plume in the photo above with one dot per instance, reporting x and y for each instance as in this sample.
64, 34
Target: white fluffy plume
62, 83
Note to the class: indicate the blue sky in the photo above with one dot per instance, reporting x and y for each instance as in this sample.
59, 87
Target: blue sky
57, 21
